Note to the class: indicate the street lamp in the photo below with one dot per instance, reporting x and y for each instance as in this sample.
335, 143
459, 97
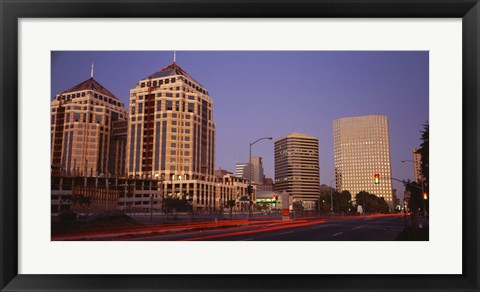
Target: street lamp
250, 173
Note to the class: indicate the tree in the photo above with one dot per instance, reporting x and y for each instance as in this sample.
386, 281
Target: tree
424, 152
371, 203
176, 204
230, 204
342, 201
298, 206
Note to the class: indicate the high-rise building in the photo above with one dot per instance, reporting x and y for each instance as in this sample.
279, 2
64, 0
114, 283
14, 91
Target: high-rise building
362, 155
257, 170
417, 165
171, 132
84, 120
253, 171
297, 167
242, 170
171, 137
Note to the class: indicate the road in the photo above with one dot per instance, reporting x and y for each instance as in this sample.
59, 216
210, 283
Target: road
358, 228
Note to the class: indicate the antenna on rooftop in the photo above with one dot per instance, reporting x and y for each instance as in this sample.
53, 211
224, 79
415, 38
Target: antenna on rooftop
174, 56
91, 71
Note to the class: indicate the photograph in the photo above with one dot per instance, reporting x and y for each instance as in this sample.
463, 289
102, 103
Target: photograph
239, 145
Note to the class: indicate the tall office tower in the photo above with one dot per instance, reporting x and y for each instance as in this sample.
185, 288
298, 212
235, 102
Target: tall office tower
171, 131
81, 131
297, 167
417, 165
257, 170
253, 171
242, 170
362, 155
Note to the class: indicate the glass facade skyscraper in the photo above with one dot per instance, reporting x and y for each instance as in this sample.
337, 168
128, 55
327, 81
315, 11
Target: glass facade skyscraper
362, 154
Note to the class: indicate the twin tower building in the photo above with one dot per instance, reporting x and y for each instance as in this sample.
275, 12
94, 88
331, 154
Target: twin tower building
168, 134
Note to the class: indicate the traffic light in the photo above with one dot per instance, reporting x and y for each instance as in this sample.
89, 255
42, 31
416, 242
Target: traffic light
376, 178
250, 189
425, 195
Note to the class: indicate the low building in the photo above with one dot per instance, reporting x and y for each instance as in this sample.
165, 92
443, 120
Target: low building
98, 194
268, 200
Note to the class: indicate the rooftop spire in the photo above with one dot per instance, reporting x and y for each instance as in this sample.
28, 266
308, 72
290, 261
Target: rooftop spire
174, 56
91, 71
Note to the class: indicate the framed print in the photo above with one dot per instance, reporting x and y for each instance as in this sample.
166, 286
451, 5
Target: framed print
254, 146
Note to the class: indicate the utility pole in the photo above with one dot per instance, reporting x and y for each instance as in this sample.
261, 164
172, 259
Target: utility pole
250, 187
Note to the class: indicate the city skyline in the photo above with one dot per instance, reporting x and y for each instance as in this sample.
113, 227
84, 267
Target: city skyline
235, 88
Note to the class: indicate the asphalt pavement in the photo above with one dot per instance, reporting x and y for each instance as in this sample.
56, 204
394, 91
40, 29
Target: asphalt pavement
359, 228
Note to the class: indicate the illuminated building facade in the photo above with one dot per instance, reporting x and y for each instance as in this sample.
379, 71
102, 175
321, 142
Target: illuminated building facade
362, 155
417, 165
83, 119
297, 168
171, 131
171, 136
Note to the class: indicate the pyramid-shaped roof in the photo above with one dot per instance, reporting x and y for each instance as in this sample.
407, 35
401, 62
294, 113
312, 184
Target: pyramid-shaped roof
171, 70
91, 84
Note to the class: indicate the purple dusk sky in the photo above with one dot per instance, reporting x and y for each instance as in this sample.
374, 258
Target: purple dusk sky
274, 93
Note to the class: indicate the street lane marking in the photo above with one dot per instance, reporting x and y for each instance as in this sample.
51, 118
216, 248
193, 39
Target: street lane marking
357, 228
337, 234
286, 232
317, 227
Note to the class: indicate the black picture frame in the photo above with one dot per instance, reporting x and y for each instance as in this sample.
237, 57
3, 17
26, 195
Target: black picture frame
11, 11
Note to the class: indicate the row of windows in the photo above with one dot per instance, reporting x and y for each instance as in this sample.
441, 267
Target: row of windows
156, 83
110, 100
160, 82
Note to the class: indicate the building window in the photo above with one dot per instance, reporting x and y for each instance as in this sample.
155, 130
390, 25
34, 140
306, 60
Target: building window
168, 105
191, 107
173, 152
